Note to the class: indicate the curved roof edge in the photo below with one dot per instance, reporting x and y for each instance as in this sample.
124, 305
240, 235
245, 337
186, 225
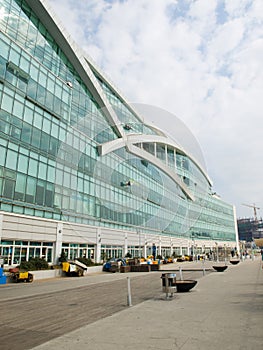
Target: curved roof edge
110, 146
157, 162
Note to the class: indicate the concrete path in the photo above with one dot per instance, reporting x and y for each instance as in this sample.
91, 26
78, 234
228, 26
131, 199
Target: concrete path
223, 311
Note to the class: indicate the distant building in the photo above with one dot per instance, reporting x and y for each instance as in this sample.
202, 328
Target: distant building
249, 229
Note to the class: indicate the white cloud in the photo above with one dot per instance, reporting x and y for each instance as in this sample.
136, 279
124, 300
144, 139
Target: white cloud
227, 38
237, 8
200, 60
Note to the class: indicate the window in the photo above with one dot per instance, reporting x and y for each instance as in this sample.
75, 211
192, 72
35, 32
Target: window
20, 187
49, 195
26, 133
44, 143
40, 192
11, 159
22, 163
33, 166
36, 137
149, 147
7, 103
30, 190
160, 151
2, 155
8, 190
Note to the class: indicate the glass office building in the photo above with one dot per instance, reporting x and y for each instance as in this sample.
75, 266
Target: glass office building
80, 170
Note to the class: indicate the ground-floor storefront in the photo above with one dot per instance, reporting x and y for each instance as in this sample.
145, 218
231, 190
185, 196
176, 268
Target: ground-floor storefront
23, 237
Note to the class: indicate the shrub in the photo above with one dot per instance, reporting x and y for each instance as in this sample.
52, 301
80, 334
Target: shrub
34, 264
86, 261
63, 257
26, 265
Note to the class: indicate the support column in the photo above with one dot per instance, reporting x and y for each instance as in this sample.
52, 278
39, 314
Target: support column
145, 247
160, 246
98, 246
126, 244
58, 243
171, 247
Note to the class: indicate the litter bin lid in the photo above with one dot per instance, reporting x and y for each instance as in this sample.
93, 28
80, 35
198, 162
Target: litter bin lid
169, 275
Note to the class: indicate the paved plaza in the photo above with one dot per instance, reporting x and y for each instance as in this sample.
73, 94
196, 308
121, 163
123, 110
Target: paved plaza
223, 311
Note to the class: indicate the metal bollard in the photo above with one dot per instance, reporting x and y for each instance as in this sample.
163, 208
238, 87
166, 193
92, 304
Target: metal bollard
181, 273
129, 292
166, 285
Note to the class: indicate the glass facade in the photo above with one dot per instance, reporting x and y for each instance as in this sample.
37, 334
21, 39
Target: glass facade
51, 124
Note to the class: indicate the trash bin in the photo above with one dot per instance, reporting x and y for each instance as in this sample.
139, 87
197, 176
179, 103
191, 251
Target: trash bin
171, 279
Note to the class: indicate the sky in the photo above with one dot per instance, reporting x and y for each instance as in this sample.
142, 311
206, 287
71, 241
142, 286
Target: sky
199, 60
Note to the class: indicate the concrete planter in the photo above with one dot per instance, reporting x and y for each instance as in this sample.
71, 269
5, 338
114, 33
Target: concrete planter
140, 268
94, 269
155, 267
234, 262
185, 285
220, 268
45, 274
124, 269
